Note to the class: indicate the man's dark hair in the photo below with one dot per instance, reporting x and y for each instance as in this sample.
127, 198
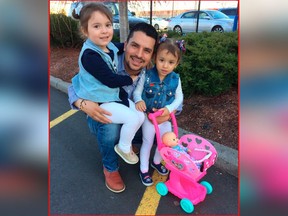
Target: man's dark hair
146, 28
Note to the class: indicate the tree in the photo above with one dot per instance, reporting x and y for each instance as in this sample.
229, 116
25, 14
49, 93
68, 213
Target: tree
123, 20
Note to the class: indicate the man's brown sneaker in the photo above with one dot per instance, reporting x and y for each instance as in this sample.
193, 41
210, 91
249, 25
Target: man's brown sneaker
113, 181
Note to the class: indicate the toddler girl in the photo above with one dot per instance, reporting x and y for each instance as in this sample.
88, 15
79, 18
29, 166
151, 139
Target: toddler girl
161, 89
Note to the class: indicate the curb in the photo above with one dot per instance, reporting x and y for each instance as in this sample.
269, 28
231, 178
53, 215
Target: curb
59, 84
227, 159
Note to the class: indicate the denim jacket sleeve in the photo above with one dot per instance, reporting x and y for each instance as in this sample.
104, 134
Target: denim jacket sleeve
72, 97
177, 104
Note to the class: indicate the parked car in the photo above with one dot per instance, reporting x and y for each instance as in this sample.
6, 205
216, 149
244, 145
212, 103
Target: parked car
230, 12
159, 23
209, 20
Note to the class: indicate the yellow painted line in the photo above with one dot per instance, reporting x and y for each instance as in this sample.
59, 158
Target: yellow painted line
62, 118
150, 200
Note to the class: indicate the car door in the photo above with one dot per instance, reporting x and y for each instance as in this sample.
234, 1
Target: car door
205, 22
187, 22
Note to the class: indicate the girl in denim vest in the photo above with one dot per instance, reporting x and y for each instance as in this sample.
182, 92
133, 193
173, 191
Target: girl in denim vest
98, 80
160, 89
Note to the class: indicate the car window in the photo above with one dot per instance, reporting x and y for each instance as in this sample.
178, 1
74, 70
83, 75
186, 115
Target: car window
229, 11
218, 15
202, 15
188, 15
129, 13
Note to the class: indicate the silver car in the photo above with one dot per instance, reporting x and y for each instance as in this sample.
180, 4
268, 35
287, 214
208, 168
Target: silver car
209, 21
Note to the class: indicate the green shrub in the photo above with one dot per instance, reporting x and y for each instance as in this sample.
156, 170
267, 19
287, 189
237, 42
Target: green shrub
173, 34
64, 31
210, 64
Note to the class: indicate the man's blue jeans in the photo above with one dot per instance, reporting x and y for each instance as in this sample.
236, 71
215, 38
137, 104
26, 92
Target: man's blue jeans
107, 137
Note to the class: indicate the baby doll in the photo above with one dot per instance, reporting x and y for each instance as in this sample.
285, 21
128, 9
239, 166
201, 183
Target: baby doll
170, 139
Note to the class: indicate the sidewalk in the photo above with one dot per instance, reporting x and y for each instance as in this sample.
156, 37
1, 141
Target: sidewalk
227, 157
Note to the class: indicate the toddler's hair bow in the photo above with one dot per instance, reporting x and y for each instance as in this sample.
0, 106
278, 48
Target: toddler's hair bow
163, 38
181, 45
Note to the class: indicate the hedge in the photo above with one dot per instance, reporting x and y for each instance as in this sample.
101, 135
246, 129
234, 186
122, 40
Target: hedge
210, 63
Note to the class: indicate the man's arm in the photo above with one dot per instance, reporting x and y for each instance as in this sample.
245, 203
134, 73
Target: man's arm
91, 108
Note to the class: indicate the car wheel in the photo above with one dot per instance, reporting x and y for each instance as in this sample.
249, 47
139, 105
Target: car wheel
156, 26
178, 29
217, 29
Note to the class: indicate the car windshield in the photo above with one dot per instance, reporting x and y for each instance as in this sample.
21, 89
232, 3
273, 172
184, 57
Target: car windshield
218, 15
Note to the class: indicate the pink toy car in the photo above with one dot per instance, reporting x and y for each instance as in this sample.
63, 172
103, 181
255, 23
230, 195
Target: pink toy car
185, 172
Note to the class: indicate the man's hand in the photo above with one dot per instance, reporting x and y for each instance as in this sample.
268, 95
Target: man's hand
93, 110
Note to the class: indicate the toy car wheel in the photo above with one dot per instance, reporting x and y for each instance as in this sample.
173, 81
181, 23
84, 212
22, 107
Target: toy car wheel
208, 186
187, 205
161, 188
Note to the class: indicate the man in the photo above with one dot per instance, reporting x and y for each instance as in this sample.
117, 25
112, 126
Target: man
138, 51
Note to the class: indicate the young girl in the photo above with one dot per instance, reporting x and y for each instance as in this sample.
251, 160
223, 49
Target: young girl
161, 89
98, 80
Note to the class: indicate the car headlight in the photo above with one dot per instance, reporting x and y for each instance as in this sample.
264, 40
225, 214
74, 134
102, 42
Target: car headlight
116, 26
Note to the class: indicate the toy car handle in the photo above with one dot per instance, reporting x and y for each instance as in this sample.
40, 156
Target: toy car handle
153, 116
205, 157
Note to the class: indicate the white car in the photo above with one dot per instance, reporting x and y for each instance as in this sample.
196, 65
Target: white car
209, 21
159, 23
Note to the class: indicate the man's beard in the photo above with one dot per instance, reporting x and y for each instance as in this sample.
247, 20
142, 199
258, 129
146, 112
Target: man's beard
130, 70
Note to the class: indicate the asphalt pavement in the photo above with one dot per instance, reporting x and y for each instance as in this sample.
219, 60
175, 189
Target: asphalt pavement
77, 181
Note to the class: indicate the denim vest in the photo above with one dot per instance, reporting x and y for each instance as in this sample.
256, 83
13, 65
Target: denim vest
157, 94
88, 87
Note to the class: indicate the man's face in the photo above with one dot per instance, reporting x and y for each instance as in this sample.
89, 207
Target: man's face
138, 52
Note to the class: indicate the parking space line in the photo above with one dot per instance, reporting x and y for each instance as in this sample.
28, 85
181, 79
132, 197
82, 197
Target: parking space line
150, 200
62, 118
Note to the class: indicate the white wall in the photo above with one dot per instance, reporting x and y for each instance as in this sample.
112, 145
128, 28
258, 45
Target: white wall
178, 5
